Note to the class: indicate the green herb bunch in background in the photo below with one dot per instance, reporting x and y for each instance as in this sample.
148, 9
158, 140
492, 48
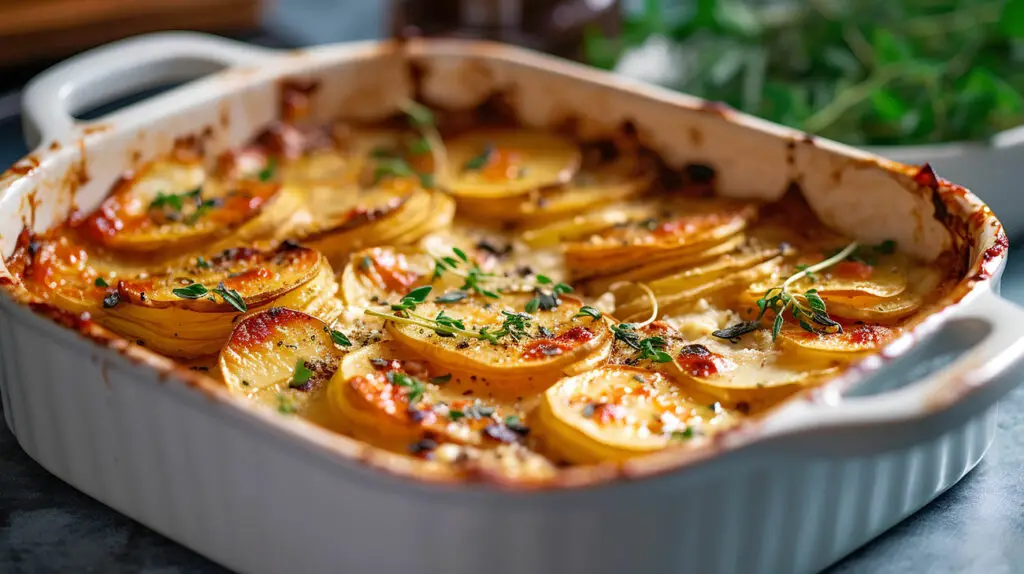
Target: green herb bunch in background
865, 72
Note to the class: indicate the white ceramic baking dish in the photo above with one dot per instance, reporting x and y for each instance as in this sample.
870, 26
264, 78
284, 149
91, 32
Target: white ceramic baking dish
259, 491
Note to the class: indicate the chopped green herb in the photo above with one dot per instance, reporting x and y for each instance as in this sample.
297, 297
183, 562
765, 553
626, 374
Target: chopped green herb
414, 386
532, 305
202, 263
301, 375
456, 415
478, 162
441, 379
338, 337
391, 167
419, 146
193, 291
101, 282
588, 311
427, 180
543, 280
451, 297
284, 405
478, 411
231, 297
652, 348
412, 299
267, 173
421, 116
685, 434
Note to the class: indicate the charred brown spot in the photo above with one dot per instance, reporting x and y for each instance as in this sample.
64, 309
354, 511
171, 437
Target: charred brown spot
259, 328
699, 350
941, 212
235, 255
322, 372
502, 433
926, 177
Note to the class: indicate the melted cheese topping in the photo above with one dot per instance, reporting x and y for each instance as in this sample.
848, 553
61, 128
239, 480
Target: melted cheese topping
495, 300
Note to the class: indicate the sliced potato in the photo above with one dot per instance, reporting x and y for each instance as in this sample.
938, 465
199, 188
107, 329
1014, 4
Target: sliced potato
438, 217
265, 348
385, 396
495, 163
620, 180
654, 267
752, 371
61, 271
584, 225
679, 225
171, 205
375, 217
376, 274
526, 359
873, 309
729, 283
854, 338
614, 413
190, 312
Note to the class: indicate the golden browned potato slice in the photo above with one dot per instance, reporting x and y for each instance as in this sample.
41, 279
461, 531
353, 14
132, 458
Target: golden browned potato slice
495, 163
751, 371
614, 413
278, 348
584, 225
384, 395
655, 267
617, 181
373, 217
189, 312
173, 206
690, 290
530, 349
378, 274
438, 218
854, 338
61, 271
874, 309
682, 225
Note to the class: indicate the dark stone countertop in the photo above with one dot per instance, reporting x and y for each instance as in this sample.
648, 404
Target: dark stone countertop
47, 526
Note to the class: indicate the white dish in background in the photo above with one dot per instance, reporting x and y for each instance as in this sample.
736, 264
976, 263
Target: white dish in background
261, 492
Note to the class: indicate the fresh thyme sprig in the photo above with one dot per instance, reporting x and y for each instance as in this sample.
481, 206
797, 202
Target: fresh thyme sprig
652, 348
807, 308
422, 118
514, 325
546, 290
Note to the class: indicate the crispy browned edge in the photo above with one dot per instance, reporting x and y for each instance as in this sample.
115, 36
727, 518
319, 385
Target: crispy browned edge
976, 232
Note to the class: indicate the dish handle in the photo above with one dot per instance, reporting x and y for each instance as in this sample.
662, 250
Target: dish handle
122, 68
972, 360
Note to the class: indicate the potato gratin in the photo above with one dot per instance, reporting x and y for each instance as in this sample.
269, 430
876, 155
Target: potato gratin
476, 294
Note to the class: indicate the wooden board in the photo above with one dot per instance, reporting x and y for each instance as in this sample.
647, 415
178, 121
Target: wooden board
45, 29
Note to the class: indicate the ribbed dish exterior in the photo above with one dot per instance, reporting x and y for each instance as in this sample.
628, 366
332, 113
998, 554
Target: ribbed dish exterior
226, 485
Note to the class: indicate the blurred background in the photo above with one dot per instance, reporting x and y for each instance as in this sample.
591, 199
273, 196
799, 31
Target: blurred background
865, 72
